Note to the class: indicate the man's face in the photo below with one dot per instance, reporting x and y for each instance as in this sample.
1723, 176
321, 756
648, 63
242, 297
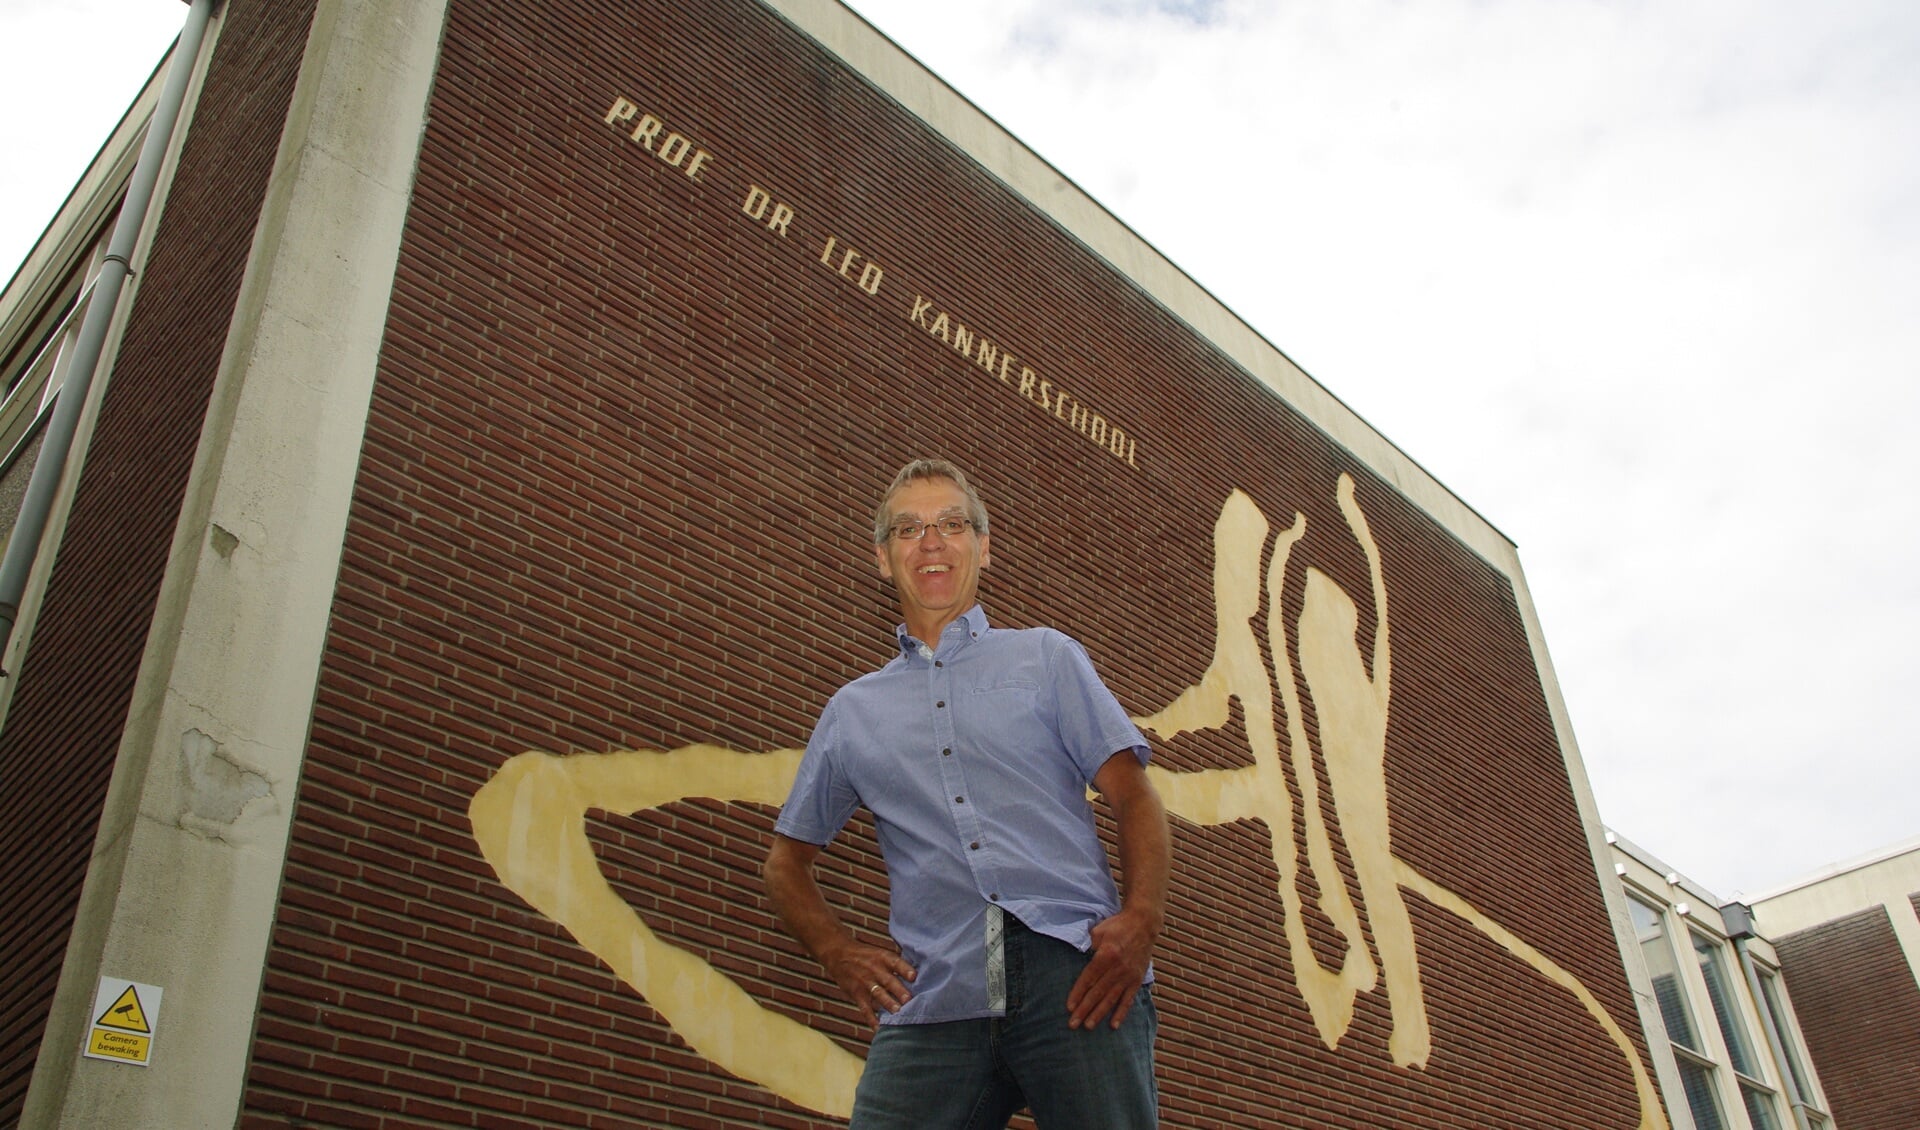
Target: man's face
936, 576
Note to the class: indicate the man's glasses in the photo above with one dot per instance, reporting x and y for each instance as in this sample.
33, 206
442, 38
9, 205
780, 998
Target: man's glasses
946, 527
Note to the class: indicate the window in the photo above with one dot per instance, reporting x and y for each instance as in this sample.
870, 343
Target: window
1697, 1080
1669, 988
34, 364
1763, 1109
1773, 997
1713, 969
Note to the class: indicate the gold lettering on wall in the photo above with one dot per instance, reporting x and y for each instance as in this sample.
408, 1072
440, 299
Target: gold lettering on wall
529, 821
674, 149
996, 361
841, 260
757, 204
652, 133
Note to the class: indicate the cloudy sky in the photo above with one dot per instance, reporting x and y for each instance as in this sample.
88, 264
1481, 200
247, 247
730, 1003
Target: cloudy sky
1639, 281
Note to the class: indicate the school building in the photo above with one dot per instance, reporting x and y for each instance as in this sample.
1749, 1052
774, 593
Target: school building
441, 439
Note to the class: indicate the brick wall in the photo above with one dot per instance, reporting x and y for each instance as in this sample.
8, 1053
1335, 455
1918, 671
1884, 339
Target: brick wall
1855, 995
620, 466
63, 730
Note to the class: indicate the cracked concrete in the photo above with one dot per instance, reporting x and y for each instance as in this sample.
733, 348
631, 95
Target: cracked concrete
217, 787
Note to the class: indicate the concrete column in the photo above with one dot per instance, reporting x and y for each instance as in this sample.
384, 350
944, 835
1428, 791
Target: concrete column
187, 865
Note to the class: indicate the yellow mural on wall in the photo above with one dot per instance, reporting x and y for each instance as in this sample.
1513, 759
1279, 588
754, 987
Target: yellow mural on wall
530, 822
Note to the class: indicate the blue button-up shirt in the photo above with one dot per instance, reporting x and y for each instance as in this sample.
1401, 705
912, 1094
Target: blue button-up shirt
974, 757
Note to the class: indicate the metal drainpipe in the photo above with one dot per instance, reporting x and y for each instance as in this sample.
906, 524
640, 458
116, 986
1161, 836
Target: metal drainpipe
49, 468
1739, 920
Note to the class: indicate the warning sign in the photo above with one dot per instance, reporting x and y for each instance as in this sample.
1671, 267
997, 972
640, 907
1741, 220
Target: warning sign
124, 1016
125, 1013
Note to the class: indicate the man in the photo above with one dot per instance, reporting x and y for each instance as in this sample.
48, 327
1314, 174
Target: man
1015, 975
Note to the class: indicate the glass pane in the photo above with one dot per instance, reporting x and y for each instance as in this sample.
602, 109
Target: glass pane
1697, 1081
1760, 1108
1713, 967
1665, 971
1789, 1039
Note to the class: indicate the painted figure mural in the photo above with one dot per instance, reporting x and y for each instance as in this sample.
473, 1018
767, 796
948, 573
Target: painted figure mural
530, 821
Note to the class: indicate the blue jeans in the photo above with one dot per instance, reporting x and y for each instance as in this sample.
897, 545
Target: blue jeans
976, 1074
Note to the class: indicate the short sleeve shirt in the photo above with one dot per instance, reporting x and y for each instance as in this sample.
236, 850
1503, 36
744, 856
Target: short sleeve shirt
975, 757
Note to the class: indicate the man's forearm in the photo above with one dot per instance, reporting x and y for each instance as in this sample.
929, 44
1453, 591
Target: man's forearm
1121, 947
801, 906
1146, 854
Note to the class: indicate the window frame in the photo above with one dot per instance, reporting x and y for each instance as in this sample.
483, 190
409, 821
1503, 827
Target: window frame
1810, 1110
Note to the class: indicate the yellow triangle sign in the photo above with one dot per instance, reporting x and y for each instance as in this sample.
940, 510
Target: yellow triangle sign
126, 1014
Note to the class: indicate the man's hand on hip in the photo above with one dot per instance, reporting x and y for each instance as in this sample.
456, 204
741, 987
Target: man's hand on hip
872, 977
1121, 949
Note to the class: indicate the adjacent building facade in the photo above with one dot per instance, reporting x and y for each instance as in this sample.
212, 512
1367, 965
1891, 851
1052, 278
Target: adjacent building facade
469, 519
1849, 943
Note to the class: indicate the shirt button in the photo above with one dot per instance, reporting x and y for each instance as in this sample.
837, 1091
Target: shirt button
937, 663
942, 702
974, 846
946, 753
993, 898
959, 800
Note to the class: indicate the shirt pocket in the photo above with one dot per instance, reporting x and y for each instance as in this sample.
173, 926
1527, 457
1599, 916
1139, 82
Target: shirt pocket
1008, 685
1004, 715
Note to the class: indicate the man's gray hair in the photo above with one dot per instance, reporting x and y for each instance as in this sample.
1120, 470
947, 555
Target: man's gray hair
919, 470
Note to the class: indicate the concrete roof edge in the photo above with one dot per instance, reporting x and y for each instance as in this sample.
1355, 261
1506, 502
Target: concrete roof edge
1835, 870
